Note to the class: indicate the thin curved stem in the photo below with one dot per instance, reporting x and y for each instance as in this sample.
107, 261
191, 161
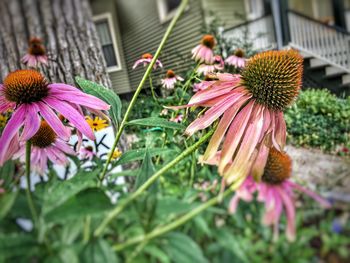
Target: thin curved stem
142, 82
122, 204
28, 191
171, 226
152, 89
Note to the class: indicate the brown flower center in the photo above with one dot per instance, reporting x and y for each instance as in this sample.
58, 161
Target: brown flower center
25, 86
170, 74
239, 53
36, 47
89, 148
278, 167
147, 56
208, 41
44, 137
274, 78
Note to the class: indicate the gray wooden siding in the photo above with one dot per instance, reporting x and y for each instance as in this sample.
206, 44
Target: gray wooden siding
120, 79
226, 10
141, 32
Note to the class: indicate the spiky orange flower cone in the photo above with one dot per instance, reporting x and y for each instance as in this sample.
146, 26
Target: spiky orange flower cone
251, 106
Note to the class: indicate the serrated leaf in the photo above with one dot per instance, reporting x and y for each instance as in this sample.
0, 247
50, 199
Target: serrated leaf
182, 248
90, 202
59, 192
103, 93
157, 122
98, 251
134, 155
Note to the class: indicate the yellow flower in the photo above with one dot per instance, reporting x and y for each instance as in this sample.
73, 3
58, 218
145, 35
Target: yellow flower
116, 154
3, 120
96, 124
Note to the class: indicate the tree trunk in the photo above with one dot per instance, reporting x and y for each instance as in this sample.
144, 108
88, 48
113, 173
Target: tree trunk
68, 33
67, 30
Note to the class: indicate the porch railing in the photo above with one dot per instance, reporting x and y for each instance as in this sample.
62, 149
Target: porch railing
259, 32
320, 40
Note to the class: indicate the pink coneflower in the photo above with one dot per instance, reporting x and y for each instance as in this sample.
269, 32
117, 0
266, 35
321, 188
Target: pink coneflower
170, 80
237, 59
30, 96
146, 59
45, 146
204, 51
276, 191
178, 118
252, 106
87, 153
36, 53
218, 65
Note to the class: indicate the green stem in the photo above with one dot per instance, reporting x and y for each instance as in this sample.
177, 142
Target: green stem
149, 182
152, 89
166, 228
28, 191
142, 82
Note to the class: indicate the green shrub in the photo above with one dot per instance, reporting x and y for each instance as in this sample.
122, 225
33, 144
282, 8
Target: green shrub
319, 119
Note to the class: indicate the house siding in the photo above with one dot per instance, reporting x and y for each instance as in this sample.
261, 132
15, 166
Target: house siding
231, 12
119, 79
142, 31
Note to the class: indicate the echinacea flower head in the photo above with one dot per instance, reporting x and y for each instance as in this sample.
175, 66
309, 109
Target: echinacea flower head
97, 123
31, 98
36, 53
87, 153
251, 106
204, 51
276, 191
170, 79
45, 146
217, 65
236, 59
145, 60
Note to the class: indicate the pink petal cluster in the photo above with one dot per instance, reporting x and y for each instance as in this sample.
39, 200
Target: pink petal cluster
145, 60
87, 153
245, 130
217, 65
277, 198
236, 61
178, 118
204, 51
169, 83
33, 60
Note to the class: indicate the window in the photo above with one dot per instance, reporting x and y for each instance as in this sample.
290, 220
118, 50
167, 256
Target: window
167, 9
106, 33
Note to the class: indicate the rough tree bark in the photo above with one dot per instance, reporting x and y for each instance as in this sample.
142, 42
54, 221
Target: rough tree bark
69, 34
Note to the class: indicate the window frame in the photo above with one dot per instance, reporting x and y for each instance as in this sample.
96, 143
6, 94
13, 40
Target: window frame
162, 11
108, 17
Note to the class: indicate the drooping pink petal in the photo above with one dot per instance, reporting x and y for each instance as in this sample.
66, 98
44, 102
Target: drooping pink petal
74, 95
72, 115
310, 193
290, 213
10, 130
64, 147
234, 136
56, 156
31, 121
260, 162
280, 130
212, 114
224, 124
55, 123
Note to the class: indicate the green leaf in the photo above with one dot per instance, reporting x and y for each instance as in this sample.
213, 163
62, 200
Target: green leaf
134, 155
58, 192
146, 171
157, 253
17, 245
91, 201
103, 93
98, 251
6, 202
158, 122
181, 248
